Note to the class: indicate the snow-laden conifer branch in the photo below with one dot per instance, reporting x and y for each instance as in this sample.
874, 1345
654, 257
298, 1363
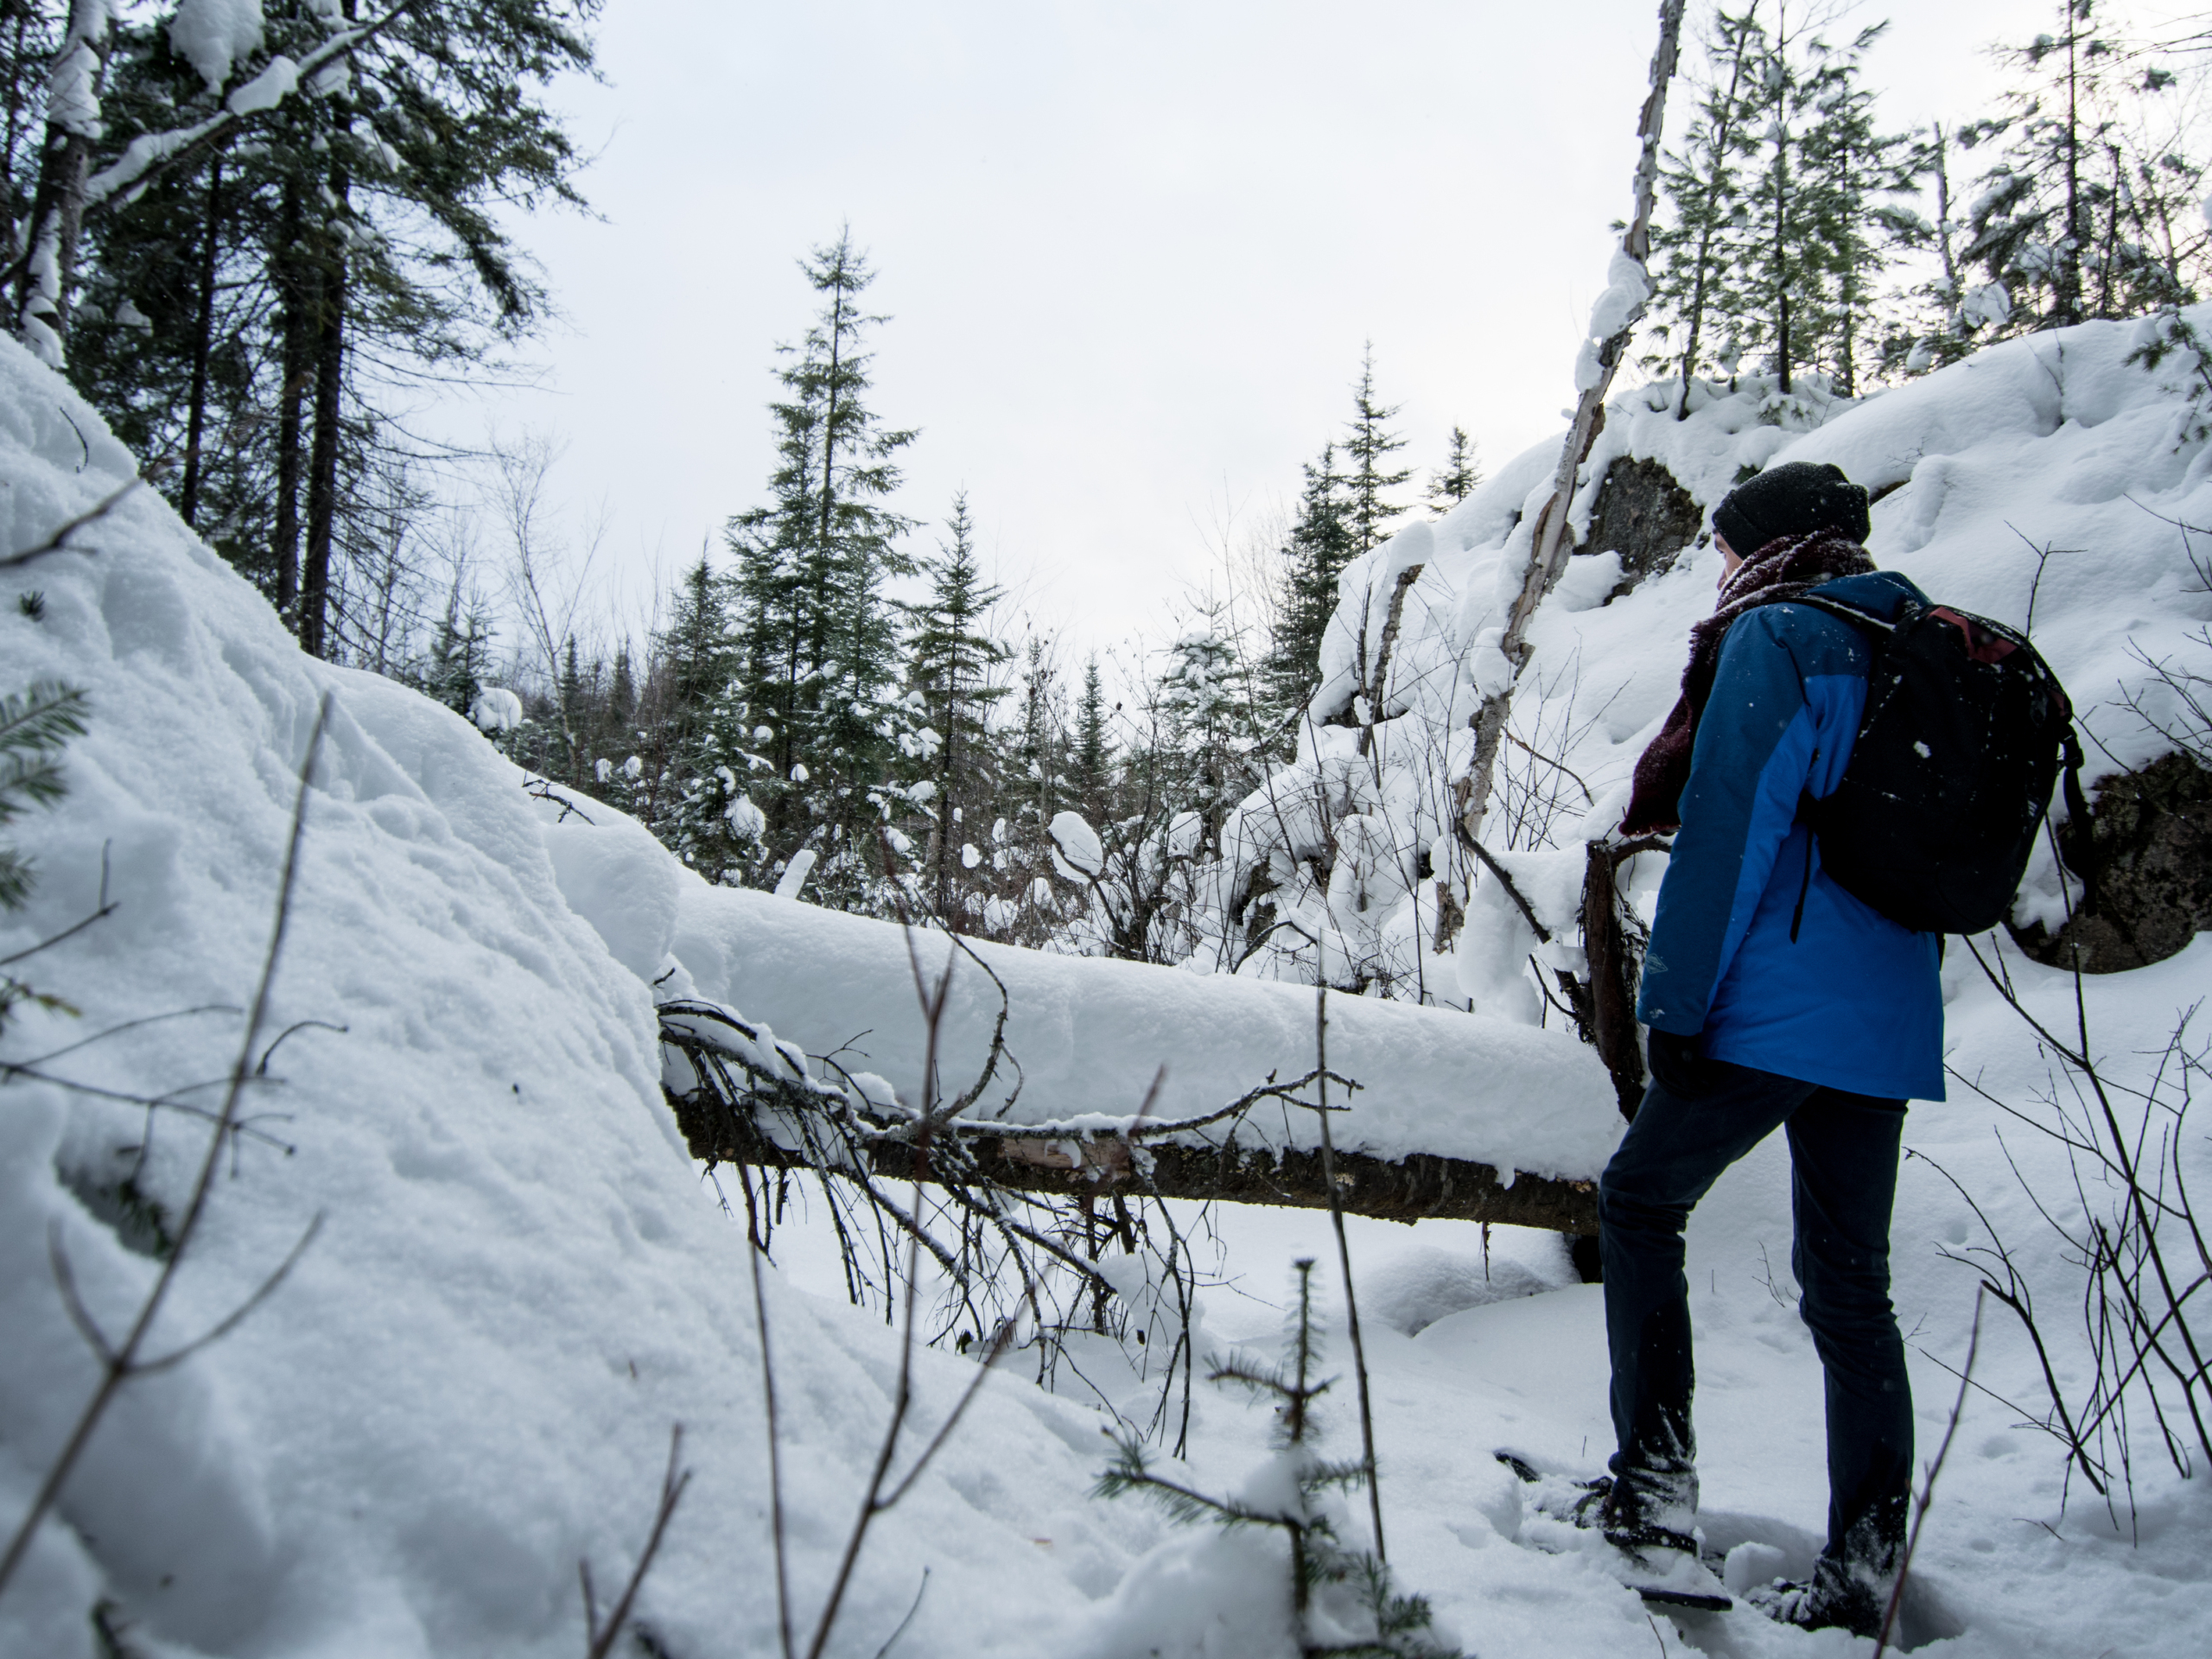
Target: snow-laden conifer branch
152, 154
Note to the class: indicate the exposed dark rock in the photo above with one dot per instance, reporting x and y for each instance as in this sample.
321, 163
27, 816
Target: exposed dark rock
2151, 889
1644, 515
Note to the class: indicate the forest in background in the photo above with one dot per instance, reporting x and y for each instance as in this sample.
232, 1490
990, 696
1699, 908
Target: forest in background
257, 236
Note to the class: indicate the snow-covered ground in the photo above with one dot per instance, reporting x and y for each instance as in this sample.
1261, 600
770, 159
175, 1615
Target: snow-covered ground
521, 1282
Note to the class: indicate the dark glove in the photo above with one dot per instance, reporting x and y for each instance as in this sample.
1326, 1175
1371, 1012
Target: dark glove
1675, 1060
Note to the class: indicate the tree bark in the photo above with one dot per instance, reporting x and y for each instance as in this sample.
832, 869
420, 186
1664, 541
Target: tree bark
1552, 539
296, 291
1421, 1188
49, 266
323, 463
202, 345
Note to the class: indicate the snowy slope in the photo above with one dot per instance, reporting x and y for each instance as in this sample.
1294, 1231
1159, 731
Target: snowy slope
468, 1382
521, 1283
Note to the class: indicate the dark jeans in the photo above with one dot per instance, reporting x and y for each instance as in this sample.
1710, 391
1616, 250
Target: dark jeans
1695, 1121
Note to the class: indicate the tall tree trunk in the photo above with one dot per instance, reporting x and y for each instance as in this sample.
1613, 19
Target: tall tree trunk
323, 461
72, 122
295, 289
202, 345
1720, 137
17, 12
1943, 218
2070, 269
1781, 260
1552, 538
323, 458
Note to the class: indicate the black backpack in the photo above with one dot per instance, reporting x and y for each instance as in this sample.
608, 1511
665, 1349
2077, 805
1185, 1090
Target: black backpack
1951, 773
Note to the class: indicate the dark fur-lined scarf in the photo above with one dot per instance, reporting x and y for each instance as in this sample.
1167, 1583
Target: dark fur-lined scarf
1782, 569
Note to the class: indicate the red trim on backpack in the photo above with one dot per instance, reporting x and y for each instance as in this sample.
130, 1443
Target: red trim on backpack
1981, 647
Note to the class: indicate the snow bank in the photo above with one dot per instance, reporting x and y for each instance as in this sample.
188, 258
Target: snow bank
468, 1382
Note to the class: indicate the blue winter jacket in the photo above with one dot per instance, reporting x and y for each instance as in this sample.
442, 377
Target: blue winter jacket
1852, 1000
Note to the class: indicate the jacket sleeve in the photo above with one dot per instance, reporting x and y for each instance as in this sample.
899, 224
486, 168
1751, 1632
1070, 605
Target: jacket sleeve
1755, 747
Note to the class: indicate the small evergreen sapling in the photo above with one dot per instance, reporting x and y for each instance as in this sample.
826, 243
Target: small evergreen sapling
1344, 1603
35, 726
1456, 480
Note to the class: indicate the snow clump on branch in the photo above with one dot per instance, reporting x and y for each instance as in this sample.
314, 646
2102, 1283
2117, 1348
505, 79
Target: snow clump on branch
213, 34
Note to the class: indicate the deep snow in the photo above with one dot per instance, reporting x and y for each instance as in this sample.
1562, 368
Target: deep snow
522, 1282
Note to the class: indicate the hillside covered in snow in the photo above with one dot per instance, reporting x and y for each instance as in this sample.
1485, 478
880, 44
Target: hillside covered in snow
519, 1281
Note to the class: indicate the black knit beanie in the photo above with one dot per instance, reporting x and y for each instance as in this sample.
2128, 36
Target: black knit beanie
1792, 500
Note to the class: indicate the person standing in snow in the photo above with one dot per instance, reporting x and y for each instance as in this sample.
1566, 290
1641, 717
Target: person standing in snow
1775, 1000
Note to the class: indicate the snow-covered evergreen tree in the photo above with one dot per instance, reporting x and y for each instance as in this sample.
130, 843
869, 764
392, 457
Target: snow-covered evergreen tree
821, 658
1321, 542
2090, 208
1091, 755
951, 656
1455, 481
1368, 478
1696, 244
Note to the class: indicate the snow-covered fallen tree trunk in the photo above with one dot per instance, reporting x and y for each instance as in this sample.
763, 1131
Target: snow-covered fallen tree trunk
740, 1101
1088, 1041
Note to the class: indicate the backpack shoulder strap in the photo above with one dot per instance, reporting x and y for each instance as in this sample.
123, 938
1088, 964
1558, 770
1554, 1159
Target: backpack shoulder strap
1853, 614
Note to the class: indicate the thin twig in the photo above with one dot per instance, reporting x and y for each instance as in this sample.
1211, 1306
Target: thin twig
1343, 1262
775, 1457
59, 542
1928, 1490
122, 1362
601, 1638
892, 1640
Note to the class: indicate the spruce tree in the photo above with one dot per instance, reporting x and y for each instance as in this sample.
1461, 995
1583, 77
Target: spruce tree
1855, 178
1782, 208
1091, 757
820, 638
949, 663
243, 304
1367, 480
694, 767
2083, 214
1322, 542
1455, 481
1699, 244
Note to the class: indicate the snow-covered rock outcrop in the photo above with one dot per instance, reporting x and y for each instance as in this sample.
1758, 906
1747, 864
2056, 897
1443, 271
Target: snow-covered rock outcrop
2046, 480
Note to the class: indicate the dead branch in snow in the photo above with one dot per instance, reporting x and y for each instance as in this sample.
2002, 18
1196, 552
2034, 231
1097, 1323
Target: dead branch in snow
1344, 1264
882, 1494
1928, 1489
59, 542
600, 1639
122, 1362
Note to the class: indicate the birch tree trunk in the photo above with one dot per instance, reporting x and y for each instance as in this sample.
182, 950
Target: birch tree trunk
72, 122
1553, 539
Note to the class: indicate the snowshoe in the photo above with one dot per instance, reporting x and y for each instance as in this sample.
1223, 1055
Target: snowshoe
1662, 1565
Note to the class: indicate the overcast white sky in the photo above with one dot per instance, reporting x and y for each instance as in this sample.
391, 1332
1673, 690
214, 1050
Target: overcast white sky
1131, 251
